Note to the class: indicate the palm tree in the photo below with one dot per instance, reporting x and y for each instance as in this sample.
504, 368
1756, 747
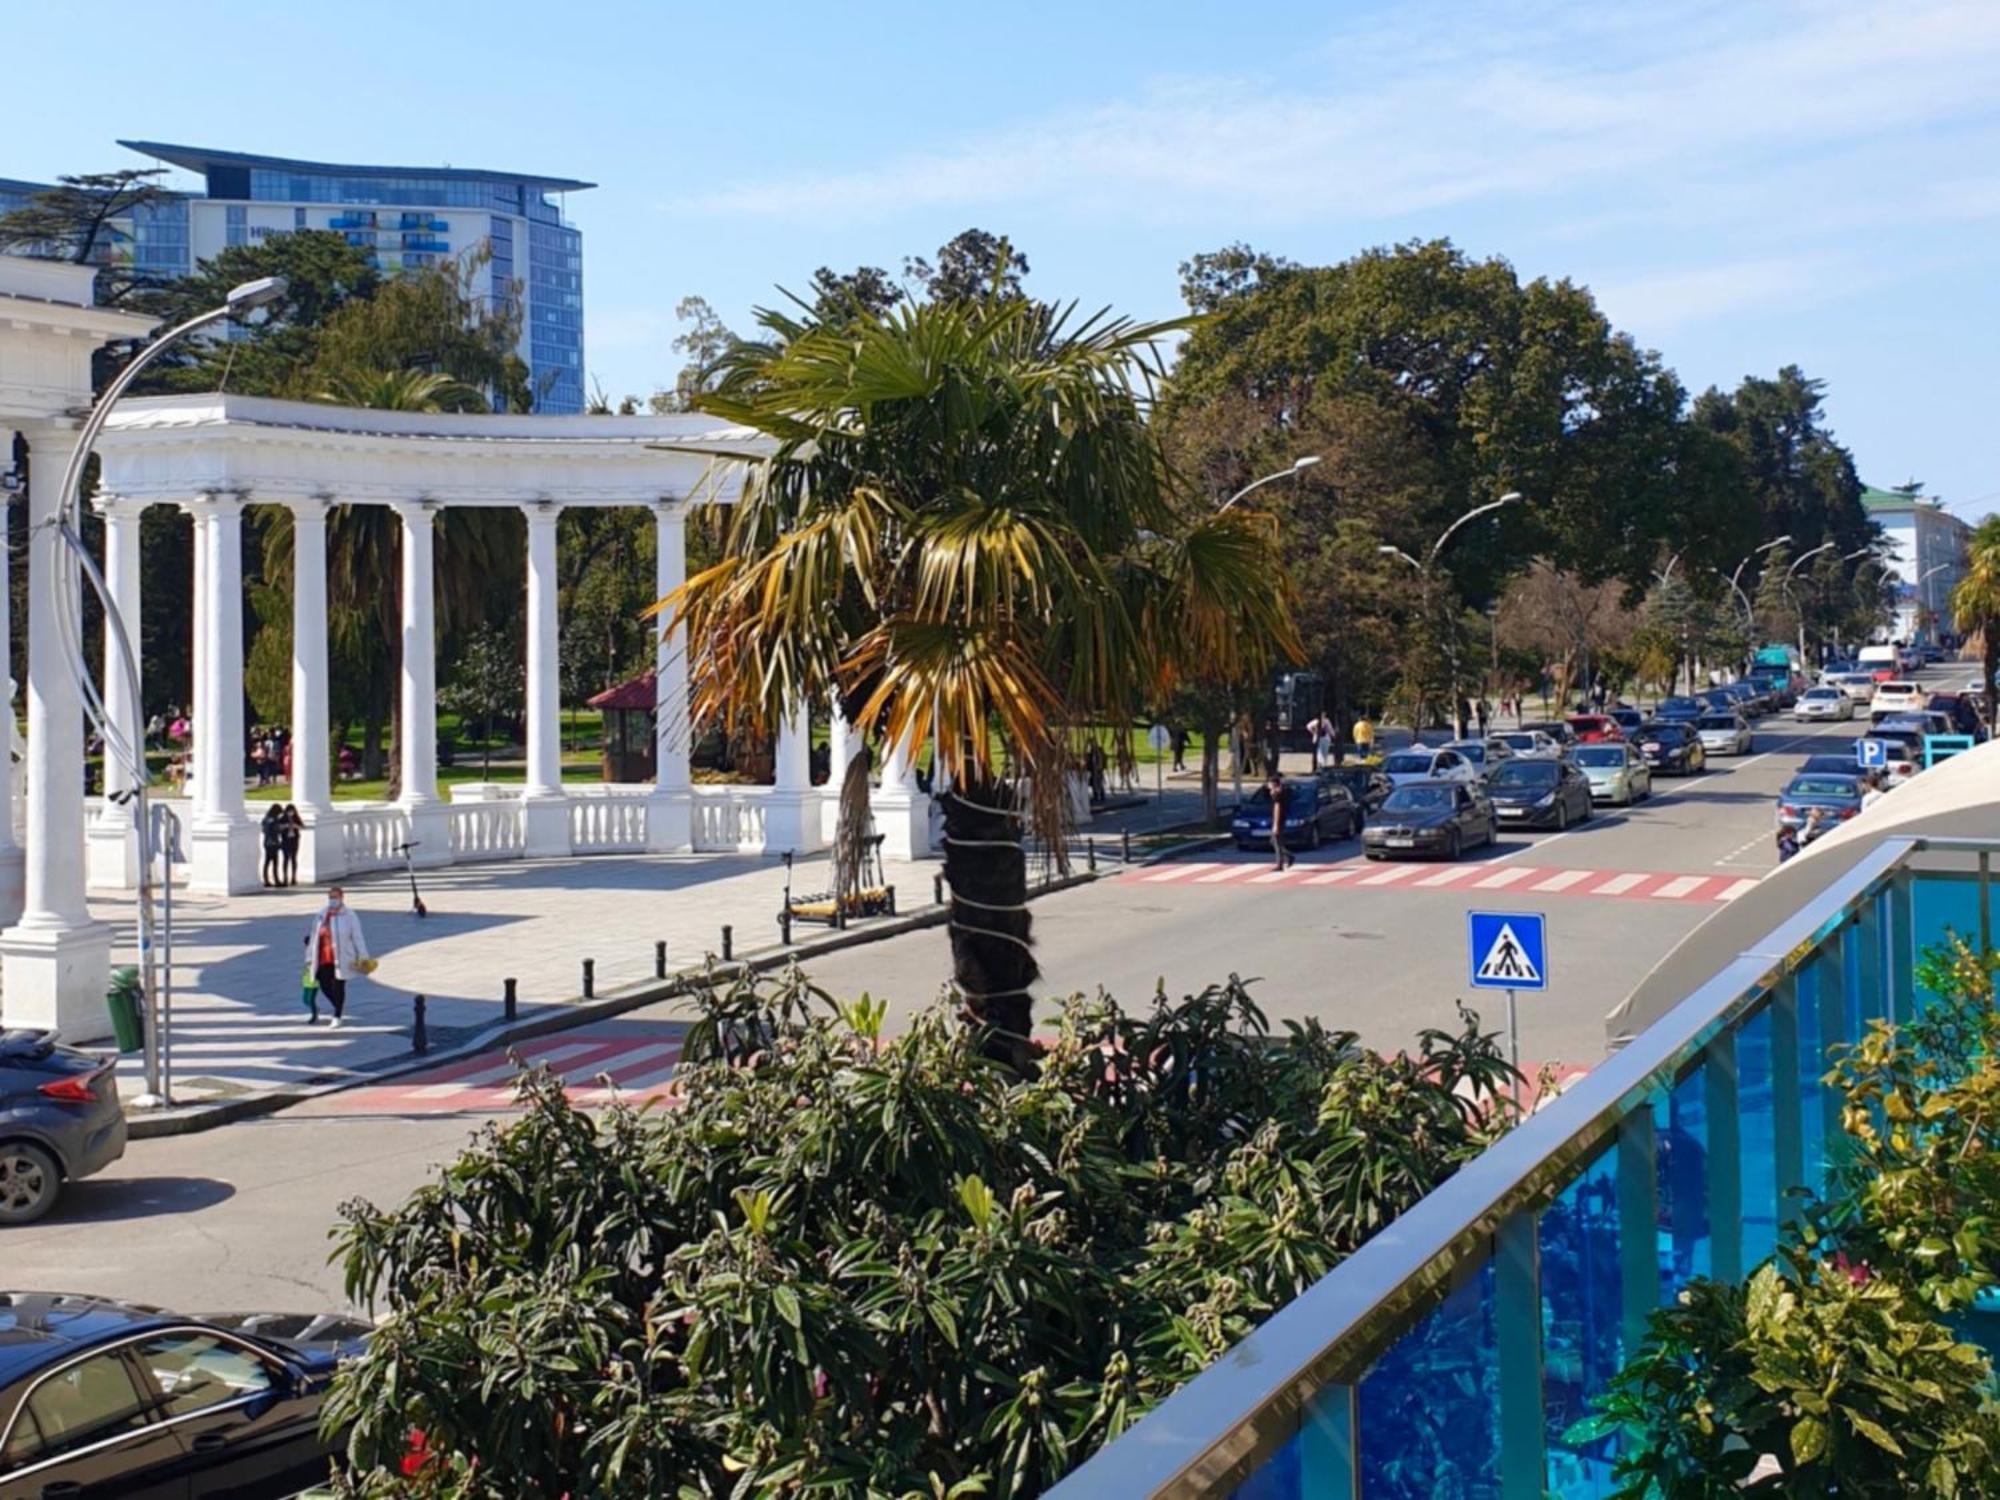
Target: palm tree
401, 390
1975, 606
967, 534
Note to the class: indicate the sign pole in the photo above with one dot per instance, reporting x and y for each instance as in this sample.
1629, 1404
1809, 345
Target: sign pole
1514, 1037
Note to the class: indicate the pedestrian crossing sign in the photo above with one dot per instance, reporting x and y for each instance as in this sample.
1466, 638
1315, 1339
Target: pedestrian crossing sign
1509, 950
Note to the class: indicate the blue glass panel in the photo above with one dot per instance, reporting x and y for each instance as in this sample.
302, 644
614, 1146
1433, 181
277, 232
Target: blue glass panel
1681, 1120
1813, 1062
1757, 1137
1940, 906
1851, 987
1581, 1306
1281, 1478
1429, 1409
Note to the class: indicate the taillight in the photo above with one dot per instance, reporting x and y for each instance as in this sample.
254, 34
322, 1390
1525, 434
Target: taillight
1786, 810
75, 1089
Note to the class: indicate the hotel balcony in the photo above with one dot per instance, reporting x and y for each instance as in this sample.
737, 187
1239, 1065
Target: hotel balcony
1453, 1353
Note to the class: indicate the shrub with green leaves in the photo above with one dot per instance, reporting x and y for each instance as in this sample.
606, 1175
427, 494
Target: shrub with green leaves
1832, 1371
852, 1264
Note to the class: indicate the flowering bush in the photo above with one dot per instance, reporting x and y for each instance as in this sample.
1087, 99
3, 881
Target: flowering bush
877, 1266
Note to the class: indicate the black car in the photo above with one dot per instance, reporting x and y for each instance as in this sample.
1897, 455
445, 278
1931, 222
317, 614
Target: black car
59, 1120
1688, 709
1444, 818
1778, 691
1367, 785
1314, 811
101, 1398
1672, 749
1540, 794
1556, 729
1959, 710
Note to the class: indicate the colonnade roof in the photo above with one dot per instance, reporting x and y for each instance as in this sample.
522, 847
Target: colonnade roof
179, 448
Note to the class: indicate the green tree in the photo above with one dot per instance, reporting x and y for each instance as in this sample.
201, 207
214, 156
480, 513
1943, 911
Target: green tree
865, 291
1212, 277
1772, 606
400, 390
1975, 607
485, 684
1797, 480
967, 527
81, 220
436, 320
971, 266
703, 344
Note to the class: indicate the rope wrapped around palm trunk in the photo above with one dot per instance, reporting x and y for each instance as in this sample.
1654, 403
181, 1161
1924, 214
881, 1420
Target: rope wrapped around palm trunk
986, 868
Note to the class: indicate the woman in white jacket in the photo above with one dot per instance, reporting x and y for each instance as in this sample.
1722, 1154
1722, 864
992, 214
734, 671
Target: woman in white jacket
336, 951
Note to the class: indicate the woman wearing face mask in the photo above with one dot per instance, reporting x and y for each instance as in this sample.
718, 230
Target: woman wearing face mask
336, 952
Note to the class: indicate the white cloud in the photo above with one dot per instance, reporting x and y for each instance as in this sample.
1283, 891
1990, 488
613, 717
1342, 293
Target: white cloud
1657, 302
1456, 103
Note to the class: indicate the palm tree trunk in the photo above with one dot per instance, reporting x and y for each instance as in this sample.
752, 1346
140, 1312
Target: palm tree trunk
991, 958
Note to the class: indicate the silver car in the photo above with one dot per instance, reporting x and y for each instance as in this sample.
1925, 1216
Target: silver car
1824, 702
1723, 734
1616, 771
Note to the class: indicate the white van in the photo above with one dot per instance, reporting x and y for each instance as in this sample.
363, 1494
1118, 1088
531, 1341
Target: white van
1877, 661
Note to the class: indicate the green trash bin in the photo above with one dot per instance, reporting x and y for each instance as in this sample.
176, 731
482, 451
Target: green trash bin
127, 1018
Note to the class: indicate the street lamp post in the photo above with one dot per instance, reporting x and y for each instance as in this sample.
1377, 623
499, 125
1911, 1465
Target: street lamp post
1749, 612
1423, 571
1298, 466
1785, 586
130, 751
1924, 606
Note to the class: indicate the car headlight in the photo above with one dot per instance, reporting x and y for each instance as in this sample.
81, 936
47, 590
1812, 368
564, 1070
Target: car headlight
1547, 801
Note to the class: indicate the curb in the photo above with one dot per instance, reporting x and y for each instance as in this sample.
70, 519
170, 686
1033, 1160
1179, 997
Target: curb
192, 1119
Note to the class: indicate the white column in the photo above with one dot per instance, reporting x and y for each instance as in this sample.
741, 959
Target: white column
13, 872
902, 812
223, 841
669, 814
312, 750
55, 959
416, 747
792, 817
113, 837
198, 689
545, 812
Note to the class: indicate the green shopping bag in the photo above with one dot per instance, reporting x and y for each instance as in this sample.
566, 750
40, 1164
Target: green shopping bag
309, 989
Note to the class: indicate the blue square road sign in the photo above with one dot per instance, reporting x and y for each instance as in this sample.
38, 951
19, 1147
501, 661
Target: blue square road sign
1508, 950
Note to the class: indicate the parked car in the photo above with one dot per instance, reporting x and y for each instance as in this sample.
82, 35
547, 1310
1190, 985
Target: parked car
104, 1398
1486, 755
1840, 795
1779, 689
1534, 744
1592, 729
1367, 785
1964, 718
1443, 818
1556, 729
1616, 773
1541, 794
1745, 699
1905, 747
1679, 708
1830, 765
1894, 697
1671, 748
1823, 702
1724, 734
60, 1119
1314, 811
1878, 662
1860, 686
1421, 764
1627, 719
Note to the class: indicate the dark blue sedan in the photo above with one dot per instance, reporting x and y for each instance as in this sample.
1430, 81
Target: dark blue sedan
1314, 812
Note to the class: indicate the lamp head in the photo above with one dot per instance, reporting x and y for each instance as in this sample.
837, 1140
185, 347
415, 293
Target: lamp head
1510, 497
255, 294
1300, 465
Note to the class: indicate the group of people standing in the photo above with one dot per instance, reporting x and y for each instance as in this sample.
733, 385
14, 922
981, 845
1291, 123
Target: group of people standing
270, 754
281, 829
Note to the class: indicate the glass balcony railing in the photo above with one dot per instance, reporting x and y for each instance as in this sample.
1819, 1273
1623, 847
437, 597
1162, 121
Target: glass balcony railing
1452, 1352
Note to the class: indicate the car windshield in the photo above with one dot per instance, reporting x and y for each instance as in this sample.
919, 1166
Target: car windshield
1474, 753
1526, 773
1896, 687
1823, 786
1600, 756
1665, 734
1409, 799
1585, 722
1829, 765
1717, 721
1680, 706
1824, 692
1407, 765
1522, 742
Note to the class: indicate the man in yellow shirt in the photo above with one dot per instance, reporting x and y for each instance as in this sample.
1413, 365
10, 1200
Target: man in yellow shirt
1364, 737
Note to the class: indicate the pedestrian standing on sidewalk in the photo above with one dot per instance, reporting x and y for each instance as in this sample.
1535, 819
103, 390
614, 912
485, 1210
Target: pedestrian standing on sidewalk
1274, 791
291, 828
1364, 737
1180, 744
337, 952
272, 831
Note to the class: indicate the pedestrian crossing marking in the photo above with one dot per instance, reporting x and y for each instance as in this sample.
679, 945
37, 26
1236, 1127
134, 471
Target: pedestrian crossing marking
1227, 872
1563, 881
1334, 876
1500, 879
1448, 875
1389, 876
1684, 885
593, 1069
1507, 962
1617, 885
1470, 875
1733, 891
1174, 872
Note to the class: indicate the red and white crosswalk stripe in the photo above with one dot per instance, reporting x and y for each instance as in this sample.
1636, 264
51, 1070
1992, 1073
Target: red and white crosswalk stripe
1631, 885
592, 1069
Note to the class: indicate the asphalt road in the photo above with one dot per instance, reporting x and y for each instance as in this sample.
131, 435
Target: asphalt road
239, 1217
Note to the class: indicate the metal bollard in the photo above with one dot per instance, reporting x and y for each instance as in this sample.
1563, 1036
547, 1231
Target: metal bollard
728, 942
892, 901
660, 960
589, 978
1126, 844
510, 1002
785, 926
1090, 853
420, 1036
937, 890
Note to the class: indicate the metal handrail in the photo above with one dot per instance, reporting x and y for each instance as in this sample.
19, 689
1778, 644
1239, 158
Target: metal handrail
1218, 1428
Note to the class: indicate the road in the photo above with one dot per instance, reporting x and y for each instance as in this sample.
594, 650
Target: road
238, 1217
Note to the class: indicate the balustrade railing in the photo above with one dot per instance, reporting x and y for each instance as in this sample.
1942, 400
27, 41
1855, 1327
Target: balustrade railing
1453, 1352
728, 819
487, 830
607, 824
370, 837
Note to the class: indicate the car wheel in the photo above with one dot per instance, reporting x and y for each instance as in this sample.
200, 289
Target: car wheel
1562, 816
1314, 841
1492, 833
29, 1182
1451, 845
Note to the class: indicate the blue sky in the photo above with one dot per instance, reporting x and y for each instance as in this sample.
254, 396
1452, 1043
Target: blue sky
1742, 184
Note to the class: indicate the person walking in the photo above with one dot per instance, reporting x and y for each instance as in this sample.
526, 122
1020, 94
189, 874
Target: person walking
1364, 738
271, 830
1322, 742
336, 952
1788, 842
1483, 711
1872, 790
291, 828
1274, 792
1180, 744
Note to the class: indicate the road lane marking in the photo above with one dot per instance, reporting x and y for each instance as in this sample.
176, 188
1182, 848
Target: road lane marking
1502, 878
1334, 876
1450, 873
1227, 872
1389, 876
1175, 872
1617, 885
500, 1072
1680, 886
1563, 881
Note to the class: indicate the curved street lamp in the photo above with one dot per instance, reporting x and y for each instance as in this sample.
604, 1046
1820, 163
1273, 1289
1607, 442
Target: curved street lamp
1785, 586
130, 754
1298, 466
1423, 570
